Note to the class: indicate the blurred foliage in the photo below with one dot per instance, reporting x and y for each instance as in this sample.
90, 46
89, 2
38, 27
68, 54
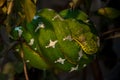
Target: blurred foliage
29, 9
2, 2
14, 12
108, 12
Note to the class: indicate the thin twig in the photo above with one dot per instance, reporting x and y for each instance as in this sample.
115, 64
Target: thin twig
10, 7
25, 68
111, 31
113, 36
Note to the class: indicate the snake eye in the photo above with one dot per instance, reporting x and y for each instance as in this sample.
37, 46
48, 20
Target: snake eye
82, 38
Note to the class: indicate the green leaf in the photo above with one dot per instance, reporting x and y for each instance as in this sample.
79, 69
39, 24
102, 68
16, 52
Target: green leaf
109, 12
29, 9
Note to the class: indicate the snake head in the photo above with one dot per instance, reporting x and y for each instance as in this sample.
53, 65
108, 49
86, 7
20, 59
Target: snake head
88, 42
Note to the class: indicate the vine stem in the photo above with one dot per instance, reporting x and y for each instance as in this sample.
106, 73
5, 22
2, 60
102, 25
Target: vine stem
25, 68
110, 31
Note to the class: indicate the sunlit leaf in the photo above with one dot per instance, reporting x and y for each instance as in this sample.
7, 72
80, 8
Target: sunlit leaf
75, 3
109, 12
4, 9
34, 1
29, 9
2, 2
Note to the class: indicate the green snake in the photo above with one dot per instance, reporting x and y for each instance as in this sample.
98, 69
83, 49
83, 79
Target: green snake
40, 34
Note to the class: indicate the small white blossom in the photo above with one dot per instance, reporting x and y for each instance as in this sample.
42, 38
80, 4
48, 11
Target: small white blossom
74, 68
60, 60
31, 42
51, 44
